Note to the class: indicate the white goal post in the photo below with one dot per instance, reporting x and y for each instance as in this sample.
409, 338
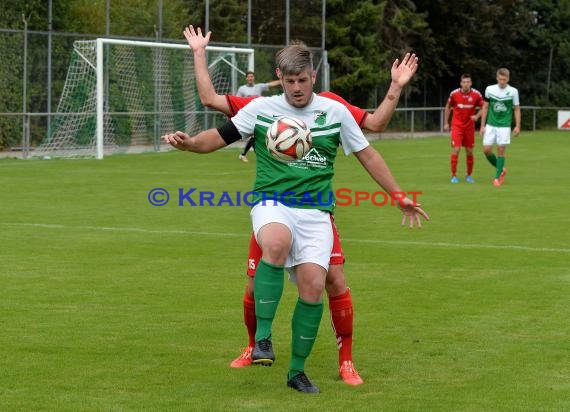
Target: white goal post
121, 95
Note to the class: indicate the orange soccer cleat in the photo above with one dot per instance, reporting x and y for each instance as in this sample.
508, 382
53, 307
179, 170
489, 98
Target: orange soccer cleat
244, 359
349, 374
503, 174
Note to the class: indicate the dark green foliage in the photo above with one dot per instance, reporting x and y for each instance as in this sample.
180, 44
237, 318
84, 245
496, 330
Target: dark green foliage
478, 37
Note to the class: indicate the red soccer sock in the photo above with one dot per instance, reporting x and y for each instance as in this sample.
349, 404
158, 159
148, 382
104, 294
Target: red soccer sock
249, 317
454, 158
470, 162
342, 314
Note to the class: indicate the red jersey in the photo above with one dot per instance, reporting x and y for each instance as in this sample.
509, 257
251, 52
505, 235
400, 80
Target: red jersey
464, 106
235, 103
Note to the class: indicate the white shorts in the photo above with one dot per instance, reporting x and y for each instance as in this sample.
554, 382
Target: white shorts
497, 135
311, 232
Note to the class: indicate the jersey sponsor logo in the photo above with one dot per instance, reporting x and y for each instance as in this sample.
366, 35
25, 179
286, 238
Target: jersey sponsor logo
499, 107
320, 118
314, 156
312, 159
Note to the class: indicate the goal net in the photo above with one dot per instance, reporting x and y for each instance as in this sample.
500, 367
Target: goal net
121, 96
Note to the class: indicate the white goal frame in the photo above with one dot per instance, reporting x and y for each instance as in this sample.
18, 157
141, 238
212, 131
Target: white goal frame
120, 95
100, 88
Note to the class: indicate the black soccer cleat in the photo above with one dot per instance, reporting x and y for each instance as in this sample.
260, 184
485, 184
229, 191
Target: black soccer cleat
262, 353
302, 383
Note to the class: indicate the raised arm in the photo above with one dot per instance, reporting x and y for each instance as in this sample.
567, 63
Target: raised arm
401, 74
379, 171
206, 90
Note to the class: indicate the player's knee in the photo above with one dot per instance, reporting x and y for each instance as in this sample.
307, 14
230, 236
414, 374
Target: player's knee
312, 289
275, 252
335, 281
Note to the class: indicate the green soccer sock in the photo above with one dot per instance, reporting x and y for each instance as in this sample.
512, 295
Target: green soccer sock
500, 166
305, 325
267, 290
492, 159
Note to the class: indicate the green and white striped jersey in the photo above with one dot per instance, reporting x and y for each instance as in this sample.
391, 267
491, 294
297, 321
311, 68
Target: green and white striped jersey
304, 183
501, 103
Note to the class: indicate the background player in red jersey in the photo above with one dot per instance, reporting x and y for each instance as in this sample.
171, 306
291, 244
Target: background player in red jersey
466, 103
340, 300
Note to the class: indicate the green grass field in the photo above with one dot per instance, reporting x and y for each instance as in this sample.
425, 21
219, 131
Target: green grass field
110, 304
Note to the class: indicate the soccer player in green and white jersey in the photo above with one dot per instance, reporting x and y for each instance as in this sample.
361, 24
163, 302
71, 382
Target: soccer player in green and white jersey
291, 217
339, 295
501, 102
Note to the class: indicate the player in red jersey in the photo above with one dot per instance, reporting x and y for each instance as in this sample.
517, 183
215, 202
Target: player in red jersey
340, 300
466, 103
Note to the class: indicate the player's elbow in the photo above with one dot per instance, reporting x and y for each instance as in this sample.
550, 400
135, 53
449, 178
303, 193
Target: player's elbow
217, 102
207, 99
380, 127
375, 125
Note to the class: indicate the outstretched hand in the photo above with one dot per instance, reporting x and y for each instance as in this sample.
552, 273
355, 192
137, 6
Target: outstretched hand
177, 140
412, 213
195, 38
404, 71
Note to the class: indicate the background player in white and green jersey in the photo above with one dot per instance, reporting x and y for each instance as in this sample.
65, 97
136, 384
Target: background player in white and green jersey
295, 233
501, 102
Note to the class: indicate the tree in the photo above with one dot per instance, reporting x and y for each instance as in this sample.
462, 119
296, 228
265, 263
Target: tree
546, 59
227, 19
365, 37
11, 70
356, 53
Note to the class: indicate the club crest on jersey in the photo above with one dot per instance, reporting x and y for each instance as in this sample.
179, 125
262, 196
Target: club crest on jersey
320, 118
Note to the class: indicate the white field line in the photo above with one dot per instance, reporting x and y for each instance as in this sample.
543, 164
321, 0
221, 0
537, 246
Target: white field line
244, 235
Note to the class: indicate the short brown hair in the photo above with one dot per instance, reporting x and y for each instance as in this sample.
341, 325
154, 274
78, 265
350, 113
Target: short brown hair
294, 58
503, 71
